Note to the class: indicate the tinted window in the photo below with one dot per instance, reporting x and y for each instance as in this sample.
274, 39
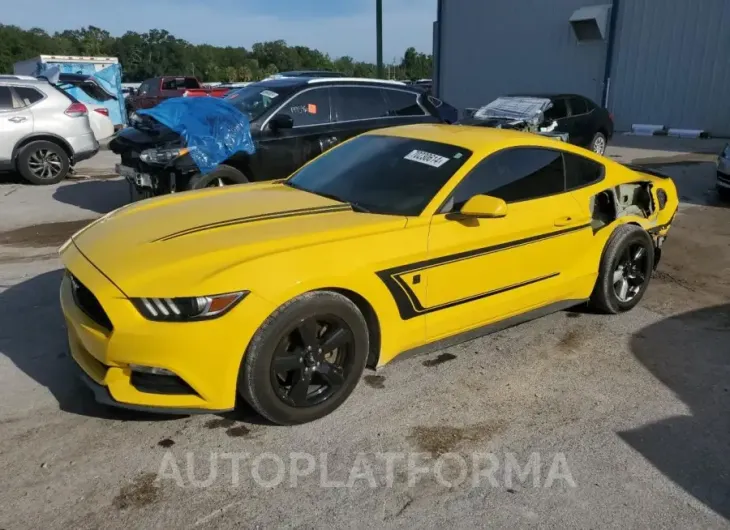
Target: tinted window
359, 103
144, 87
557, 111
311, 107
28, 95
578, 106
513, 175
6, 98
383, 174
180, 83
254, 100
580, 171
402, 103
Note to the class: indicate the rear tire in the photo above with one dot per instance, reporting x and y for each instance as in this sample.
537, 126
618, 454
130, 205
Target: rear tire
625, 270
43, 163
222, 175
598, 144
279, 361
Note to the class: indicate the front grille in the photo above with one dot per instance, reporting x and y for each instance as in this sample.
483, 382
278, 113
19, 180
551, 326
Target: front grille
88, 303
160, 384
722, 177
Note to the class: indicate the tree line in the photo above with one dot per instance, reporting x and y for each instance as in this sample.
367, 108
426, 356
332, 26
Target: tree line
157, 52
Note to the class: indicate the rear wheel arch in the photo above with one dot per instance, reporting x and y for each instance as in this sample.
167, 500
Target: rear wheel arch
46, 138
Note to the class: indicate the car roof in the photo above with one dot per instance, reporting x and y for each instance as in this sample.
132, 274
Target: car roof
546, 95
476, 139
23, 79
294, 82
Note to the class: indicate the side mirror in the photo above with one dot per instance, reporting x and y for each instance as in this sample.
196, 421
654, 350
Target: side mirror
484, 206
281, 121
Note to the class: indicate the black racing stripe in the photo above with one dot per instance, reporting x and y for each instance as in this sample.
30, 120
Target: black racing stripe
406, 300
427, 264
250, 219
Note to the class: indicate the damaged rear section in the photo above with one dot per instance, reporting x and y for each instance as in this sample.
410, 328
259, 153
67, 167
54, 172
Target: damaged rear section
646, 202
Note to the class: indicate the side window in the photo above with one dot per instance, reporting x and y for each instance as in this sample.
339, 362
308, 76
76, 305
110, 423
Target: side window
558, 111
28, 95
580, 171
311, 107
402, 103
6, 98
513, 175
578, 106
359, 103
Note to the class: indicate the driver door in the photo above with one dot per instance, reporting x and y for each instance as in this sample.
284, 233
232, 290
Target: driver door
280, 152
483, 270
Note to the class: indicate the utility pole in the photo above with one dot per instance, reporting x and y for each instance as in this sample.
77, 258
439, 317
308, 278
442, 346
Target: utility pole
379, 35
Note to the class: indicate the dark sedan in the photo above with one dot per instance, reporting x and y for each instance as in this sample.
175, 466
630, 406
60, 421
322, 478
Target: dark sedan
576, 118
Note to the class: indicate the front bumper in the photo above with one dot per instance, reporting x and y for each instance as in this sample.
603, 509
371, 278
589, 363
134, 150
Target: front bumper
106, 335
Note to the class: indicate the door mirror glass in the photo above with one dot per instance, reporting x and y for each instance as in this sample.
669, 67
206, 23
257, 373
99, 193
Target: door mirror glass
484, 206
281, 121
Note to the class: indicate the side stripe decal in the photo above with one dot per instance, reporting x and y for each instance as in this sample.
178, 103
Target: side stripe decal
406, 300
251, 219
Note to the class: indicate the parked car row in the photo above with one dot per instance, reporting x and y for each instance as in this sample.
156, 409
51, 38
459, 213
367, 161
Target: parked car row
44, 131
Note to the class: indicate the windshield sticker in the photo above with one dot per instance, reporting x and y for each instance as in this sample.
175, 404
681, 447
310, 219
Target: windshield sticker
458, 156
424, 157
312, 108
269, 94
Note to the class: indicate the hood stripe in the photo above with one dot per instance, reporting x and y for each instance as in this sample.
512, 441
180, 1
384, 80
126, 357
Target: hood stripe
251, 219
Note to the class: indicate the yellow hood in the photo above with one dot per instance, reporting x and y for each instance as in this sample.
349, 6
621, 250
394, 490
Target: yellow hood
183, 239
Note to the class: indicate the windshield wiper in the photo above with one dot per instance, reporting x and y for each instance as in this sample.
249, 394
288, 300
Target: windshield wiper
356, 206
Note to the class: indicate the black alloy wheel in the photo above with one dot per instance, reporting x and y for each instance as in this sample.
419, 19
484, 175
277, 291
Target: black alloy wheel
629, 275
312, 360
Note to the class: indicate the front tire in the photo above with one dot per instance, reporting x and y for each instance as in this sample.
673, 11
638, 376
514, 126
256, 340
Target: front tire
305, 359
723, 193
222, 175
43, 163
625, 270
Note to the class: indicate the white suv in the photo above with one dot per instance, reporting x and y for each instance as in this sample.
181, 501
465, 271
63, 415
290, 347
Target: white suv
43, 130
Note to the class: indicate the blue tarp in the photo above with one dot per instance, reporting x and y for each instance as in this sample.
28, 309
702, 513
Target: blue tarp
213, 129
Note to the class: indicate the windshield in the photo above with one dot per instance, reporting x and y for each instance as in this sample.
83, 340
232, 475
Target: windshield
382, 174
513, 109
253, 101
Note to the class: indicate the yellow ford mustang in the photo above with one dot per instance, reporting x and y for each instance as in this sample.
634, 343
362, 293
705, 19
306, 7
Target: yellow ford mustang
396, 240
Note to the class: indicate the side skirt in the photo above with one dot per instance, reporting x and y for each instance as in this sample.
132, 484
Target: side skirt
487, 329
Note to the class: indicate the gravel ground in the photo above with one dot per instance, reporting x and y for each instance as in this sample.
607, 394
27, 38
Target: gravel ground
625, 418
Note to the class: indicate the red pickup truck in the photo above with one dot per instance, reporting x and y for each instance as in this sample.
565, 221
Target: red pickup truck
157, 89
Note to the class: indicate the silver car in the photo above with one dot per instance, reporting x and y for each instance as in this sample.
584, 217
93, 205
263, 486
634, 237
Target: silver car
43, 130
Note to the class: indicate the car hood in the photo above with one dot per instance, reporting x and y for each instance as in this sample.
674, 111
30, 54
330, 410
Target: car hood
187, 240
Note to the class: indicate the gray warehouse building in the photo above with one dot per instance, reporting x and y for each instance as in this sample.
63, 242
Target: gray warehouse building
659, 62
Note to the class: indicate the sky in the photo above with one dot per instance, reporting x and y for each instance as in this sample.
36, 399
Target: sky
337, 27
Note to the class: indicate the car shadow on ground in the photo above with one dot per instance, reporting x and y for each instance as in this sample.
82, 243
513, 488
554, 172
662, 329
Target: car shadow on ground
33, 337
689, 354
100, 196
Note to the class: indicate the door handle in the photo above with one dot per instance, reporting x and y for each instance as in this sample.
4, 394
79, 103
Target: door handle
564, 221
570, 221
17, 119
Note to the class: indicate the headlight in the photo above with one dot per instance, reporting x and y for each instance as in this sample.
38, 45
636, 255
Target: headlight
162, 156
187, 309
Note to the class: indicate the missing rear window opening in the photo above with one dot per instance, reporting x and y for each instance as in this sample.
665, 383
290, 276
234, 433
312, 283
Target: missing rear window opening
621, 201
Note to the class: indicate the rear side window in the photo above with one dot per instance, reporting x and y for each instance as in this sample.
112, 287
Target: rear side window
311, 107
359, 103
180, 83
6, 98
513, 175
402, 103
578, 106
28, 95
580, 171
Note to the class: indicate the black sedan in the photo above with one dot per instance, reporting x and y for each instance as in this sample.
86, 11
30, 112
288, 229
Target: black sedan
576, 118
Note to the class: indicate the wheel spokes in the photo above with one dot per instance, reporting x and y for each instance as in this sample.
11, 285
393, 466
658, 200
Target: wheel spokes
308, 330
332, 374
300, 388
623, 289
638, 255
334, 339
287, 362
